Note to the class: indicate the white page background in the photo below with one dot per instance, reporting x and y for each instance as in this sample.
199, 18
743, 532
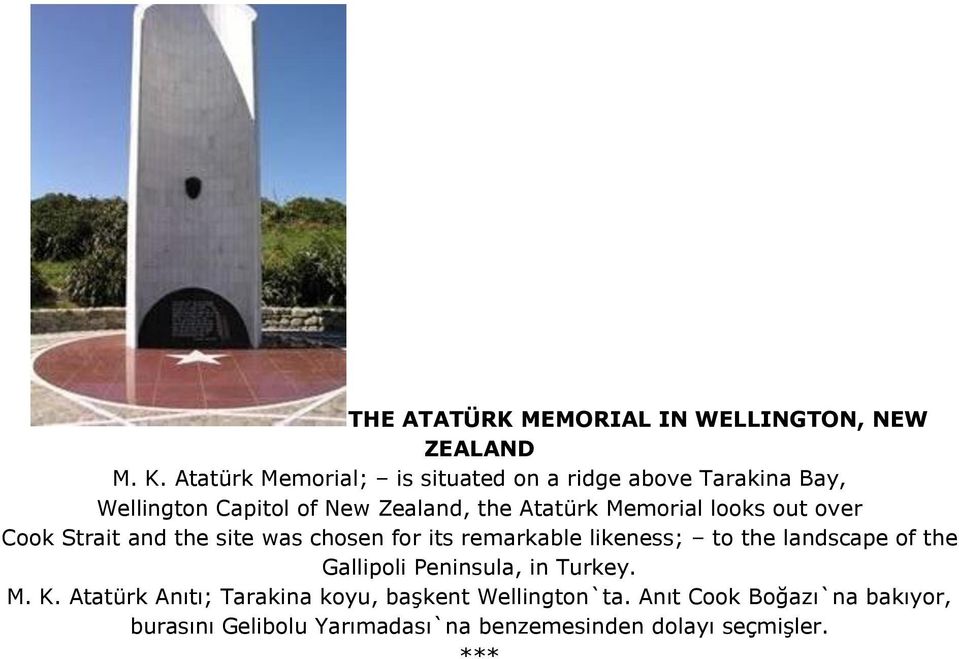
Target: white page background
692, 205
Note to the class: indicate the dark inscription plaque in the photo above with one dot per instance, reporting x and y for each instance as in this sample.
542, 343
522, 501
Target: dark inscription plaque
193, 318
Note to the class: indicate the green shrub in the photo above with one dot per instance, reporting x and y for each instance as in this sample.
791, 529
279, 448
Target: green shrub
59, 228
40, 291
62, 226
327, 212
304, 261
314, 276
99, 280
110, 226
281, 285
326, 269
270, 211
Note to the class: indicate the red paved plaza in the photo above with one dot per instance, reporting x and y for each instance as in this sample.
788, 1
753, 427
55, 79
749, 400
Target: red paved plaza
103, 368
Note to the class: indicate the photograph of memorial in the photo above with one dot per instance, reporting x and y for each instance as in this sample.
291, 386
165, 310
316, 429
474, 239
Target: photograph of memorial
188, 215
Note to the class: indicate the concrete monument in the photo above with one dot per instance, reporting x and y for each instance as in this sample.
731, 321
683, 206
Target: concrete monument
193, 252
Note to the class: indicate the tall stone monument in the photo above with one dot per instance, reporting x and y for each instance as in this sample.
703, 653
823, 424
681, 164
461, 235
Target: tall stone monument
193, 252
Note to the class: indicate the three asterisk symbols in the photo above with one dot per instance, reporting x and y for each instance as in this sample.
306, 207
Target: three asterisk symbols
479, 652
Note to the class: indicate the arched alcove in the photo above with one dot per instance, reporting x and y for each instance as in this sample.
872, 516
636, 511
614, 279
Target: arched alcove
193, 318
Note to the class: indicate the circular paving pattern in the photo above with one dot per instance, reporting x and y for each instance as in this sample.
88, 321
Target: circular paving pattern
103, 368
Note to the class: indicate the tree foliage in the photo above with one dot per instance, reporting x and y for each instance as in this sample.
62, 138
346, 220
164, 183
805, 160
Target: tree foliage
304, 262
62, 226
99, 279
306, 265
328, 212
314, 276
40, 290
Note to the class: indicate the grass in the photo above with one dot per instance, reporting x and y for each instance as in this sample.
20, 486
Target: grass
55, 272
290, 238
287, 238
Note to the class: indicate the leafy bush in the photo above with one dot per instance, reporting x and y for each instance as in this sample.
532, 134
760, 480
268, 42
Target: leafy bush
327, 268
315, 276
281, 283
110, 226
304, 260
40, 290
61, 226
328, 212
270, 211
99, 279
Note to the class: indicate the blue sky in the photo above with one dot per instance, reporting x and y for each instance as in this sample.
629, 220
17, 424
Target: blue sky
80, 99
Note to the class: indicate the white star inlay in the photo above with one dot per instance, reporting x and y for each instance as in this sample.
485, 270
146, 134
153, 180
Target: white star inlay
197, 357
